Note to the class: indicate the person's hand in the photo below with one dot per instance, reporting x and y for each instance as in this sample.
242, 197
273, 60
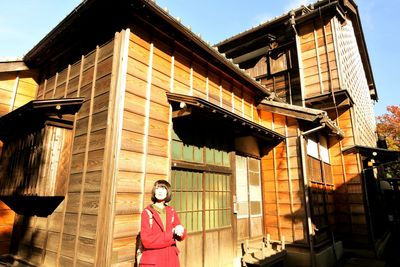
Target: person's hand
179, 230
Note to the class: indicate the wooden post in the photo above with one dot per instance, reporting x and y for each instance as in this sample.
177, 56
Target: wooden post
268, 241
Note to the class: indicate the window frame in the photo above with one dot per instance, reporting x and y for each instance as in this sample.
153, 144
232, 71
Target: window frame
316, 157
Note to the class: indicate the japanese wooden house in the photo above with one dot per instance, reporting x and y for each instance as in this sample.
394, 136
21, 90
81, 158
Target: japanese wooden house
316, 57
260, 143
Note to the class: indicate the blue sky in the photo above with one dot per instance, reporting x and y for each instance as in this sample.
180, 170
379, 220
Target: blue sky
23, 23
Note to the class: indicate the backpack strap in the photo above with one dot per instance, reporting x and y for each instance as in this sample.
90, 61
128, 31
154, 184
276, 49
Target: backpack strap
150, 217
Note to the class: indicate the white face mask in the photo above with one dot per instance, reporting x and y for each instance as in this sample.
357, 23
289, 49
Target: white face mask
160, 193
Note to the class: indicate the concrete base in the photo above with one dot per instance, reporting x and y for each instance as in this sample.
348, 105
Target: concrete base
323, 258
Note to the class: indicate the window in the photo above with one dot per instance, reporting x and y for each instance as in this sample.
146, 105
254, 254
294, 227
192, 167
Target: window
201, 150
201, 179
248, 195
319, 173
318, 162
279, 60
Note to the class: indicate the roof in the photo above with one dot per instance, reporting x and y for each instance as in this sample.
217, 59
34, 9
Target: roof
12, 64
257, 37
237, 122
302, 113
35, 113
77, 30
371, 150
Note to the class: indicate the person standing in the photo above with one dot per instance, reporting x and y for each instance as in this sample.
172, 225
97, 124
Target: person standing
160, 229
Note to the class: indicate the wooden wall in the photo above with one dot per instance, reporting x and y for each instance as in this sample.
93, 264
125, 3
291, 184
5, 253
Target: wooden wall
284, 210
354, 80
70, 235
6, 225
285, 85
126, 117
331, 61
318, 58
351, 221
156, 65
16, 89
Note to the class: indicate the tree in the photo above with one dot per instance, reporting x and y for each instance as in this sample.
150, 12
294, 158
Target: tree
389, 127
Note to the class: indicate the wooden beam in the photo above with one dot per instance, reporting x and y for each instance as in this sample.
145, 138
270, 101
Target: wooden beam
13, 66
181, 113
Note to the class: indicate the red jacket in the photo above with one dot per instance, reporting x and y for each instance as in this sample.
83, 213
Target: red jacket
159, 243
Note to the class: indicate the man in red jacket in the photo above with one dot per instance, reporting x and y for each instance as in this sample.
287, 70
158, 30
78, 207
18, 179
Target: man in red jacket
160, 229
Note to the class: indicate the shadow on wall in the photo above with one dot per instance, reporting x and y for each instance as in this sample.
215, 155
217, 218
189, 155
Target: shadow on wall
6, 227
24, 243
343, 213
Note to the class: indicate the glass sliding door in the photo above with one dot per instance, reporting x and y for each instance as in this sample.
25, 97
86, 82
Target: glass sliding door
201, 183
248, 197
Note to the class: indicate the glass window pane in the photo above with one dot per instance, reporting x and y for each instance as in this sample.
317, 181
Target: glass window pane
218, 157
177, 201
189, 181
255, 208
188, 153
214, 219
194, 201
323, 149
207, 219
253, 165
182, 217
209, 156
173, 180
243, 209
184, 180
195, 221
312, 148
178, 175
207, 207
198, 155
189, 222
254, 178
229, 219
220, 182
199, 181
200, 220
176, 150
226, 159
211, 201
200, 202
184, 201
189, 201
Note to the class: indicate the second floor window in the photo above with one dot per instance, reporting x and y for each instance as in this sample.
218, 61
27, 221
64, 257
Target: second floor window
318, 161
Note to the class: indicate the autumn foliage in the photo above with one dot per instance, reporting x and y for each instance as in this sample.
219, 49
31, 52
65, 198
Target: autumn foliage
388, 126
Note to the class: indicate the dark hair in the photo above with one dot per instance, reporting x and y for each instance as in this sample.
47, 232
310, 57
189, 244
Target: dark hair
166, 185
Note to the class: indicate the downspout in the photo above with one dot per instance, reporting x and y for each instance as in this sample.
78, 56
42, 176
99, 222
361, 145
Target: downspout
301, 142
306, 192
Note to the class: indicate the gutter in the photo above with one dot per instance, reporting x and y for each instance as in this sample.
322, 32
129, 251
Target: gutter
282, 18
57, 30
302, 113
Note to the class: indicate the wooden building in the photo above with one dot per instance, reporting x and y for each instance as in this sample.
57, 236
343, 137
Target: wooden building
252, 142
316, 57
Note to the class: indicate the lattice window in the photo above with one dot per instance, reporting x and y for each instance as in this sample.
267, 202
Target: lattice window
201, 183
